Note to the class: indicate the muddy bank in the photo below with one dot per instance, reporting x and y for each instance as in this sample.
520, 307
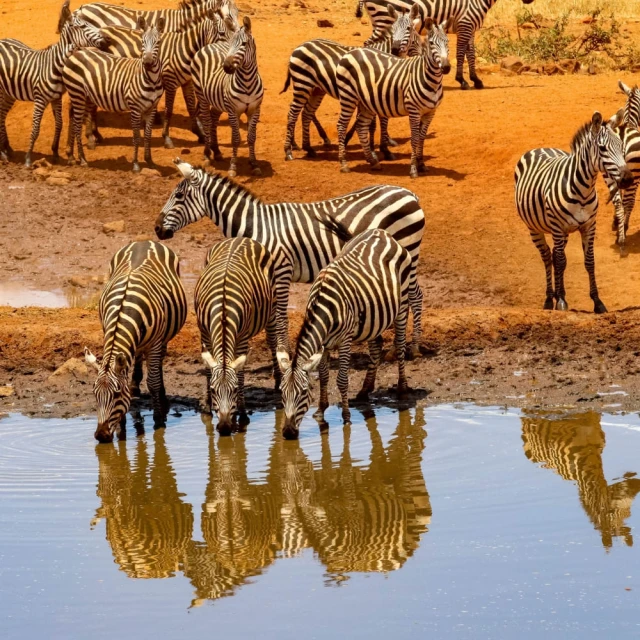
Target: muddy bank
516, 357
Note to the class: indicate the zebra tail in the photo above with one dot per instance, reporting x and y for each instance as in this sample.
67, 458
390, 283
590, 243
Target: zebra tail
359, 9
288, 82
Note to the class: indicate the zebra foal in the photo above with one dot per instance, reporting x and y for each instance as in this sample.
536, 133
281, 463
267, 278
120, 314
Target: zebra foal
556, 195
234, 301
142, 307
36, 76
466, 16
363, 292
226, 79
100, 80
302, 238
374, 83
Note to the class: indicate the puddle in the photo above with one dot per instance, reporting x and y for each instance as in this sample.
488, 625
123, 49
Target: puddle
16, 294
467, 522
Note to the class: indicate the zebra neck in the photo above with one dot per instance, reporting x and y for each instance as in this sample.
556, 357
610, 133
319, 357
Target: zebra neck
311, 340
245, 78
583, 171
232, 207
152, 73
631, 118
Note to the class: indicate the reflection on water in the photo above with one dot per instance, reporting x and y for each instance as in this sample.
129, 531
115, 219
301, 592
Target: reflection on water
17, 294
572, 446
356, 517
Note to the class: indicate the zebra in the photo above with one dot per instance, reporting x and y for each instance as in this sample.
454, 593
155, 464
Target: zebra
312, 71
177, 50
361, 294
226, 79
302, 238
234, 301
625, 123
555, 194
375, 83
466, 16
116, 84
142, 307
36, 76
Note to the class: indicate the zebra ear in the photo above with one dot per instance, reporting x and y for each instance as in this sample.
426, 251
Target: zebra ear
414, 14
160, 25
428, 23
246, 23
208, 359
617, 119
184, 168
90, 359
312, 363
596, 121
141, 23
623, 87
239, 362
121, 363
65, 16
392, 12
283, 360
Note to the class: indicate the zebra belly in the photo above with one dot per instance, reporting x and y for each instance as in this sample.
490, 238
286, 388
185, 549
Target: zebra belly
244, 104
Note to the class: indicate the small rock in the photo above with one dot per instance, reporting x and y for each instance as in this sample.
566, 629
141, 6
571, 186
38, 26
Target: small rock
43, 163
42, 173
5, 392
199, 238
185, 152
300, 3
356, 33
511, 63
570, 65
527, 25
78, 281
552, 69
103, 193
150, 173
57, 182
245, 8
587, 20
57, 173
72, 369
113, 227
325, 24
364, 20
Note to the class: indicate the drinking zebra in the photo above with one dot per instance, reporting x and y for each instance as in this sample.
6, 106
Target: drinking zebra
466, 16
226, 79
556, 195
142, 307
101, 80
36, 76
301, 237
312, 71
361, 294
177, 50
375, 83
234, 301
625, 123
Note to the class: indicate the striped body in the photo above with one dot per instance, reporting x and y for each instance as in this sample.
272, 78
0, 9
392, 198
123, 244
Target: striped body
361, 294
234, 301
36, 76
142, 307
302, 238
555, 194
226, 80
375, 83
465, 16
116, 84
312, 72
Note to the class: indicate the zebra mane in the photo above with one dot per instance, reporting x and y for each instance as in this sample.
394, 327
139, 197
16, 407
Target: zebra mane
228, 182
65, 14
192, 21
581, 136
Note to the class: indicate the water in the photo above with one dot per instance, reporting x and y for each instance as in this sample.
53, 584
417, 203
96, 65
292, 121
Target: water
459, 522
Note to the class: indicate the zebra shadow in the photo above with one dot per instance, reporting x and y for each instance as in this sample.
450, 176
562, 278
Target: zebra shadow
401, 169
632, 245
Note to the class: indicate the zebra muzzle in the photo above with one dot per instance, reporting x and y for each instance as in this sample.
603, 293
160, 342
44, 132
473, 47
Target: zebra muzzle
103, 434
229, 66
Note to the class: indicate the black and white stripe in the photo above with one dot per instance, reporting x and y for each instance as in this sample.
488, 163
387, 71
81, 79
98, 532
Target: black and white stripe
36, 76
361, 294
142, 307
556, 195
99, 80
302, 238
374, 83
234, 301
312, 72
464, 16
226, 79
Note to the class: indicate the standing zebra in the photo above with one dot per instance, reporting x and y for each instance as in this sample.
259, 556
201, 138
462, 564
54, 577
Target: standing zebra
226, 79
625, 123
142, 307
234, 301
466, 16
177, 50
361, 294
556, 194
36, 76
302, 238
97, 79
375, 83
312, 71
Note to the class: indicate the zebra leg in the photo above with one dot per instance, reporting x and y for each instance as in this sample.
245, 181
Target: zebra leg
56, 107
629, 201
323, 373
424, 130
618, 218
136, 379
135, 126
155, 383
6, 102
252, 127
464, 34
71, 136
375, 355
415, 302
588, 236
559, 265
78, 121
343, 379
385, 140
148, 131
298, 103
272, 342
415, 122
191, 102
38, 109
215, 119
400, 326
346, 111
363, 127
541, 245
234, 122
309, 116
471, 59
91, 127
169, 98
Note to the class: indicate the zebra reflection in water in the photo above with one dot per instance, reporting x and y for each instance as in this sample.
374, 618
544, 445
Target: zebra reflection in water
355, 517
572, 447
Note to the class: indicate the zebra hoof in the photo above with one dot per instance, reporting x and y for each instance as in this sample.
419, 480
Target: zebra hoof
344, 169
91, 144
413, 352
135, 392
413, 172
561, 305
422, 168
548, 304
624, 252
376, 167
464, 85
136, 167
27, 163
326, 143
362, 395
403, 390
232, 173
71, 161
598, 306
83, 162
294, 146
256, 171
311, 152
288, 156
168, 143
388, 155
477, 83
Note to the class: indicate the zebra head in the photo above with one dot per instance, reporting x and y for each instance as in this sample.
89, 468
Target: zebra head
223, 389
151, 36
435, 47
242, 49
112, 393
404, 35
632, 107
228, 11
185, 205
73, 30
296, 389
